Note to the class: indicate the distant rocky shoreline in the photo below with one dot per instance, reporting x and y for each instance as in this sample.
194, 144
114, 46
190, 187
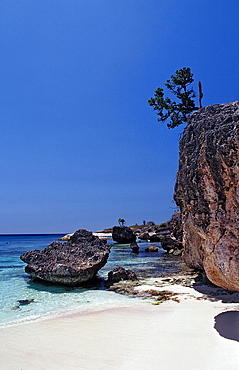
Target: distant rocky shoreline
169, 234
78, 257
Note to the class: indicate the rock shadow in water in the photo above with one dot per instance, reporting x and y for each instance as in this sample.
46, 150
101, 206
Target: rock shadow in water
227, 325
41, 285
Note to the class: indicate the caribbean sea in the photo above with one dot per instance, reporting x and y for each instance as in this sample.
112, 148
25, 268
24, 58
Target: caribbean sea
22, 299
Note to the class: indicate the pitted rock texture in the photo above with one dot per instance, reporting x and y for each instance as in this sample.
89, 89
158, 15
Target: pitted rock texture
70, 263
175, 226
172, 242
118, 274
207, 192
123, 235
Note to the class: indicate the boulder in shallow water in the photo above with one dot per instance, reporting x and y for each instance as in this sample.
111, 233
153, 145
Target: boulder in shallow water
24, 302
123, 235
118, 274
143, 236
152, 248
70, 263
134, 246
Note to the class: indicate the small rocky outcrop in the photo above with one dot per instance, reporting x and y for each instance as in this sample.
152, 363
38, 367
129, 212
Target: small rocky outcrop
170, 236
66, 237
118, 274
172, 246
152, 248
150, 232
207, 192
70, 263
134, 246
173, 242
24, 302
143, 236
123, 235
157, 237
159, 233
175, 226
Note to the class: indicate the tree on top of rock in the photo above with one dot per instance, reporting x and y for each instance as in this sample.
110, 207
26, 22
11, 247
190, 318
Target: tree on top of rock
121, 221
178, 84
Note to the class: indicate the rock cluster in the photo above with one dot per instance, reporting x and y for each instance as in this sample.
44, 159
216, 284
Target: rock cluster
172, 242
207, 192
159, 234
170, 235
70, 263
147, 232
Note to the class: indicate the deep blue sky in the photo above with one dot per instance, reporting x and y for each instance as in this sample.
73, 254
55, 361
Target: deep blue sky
80, 146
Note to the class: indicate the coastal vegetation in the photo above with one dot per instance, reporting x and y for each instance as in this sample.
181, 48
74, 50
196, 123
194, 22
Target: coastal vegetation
179, 85
142, 226
121, 221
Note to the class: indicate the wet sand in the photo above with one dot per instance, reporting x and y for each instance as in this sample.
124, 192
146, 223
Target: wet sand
193, 334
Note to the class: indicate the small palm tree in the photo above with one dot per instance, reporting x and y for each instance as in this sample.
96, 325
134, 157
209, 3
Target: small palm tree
121, 221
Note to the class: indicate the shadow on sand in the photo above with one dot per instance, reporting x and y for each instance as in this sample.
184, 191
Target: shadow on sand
217, 294
227, 325
214, 293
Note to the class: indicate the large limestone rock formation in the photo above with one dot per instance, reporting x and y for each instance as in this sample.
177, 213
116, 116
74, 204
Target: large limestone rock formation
207, 192
70, 263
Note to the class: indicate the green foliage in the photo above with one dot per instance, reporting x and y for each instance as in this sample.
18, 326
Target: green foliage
121, 221
178, 85
163, 224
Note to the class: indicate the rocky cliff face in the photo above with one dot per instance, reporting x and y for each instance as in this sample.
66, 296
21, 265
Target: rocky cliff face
207, 192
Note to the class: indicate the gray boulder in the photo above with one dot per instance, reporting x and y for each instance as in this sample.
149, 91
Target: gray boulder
123, 235
152, 248
144, 236
70, 263
170, 243
134, 246
155, 238
118, 274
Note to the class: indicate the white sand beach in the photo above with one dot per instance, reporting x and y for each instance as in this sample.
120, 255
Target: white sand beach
172, 335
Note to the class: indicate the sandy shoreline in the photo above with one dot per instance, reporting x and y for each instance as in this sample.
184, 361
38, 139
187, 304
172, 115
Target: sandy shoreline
171, 335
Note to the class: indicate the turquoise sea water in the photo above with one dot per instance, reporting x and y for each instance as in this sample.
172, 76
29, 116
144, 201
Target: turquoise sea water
49, 299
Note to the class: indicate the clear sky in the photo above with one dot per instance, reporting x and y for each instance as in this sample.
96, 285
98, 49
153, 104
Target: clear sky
80, 146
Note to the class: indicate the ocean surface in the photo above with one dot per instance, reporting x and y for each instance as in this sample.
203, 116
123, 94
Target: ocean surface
49, 300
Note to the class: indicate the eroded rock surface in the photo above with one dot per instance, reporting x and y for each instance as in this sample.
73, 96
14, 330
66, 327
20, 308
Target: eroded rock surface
207, 192
118, 274
172, 242
134, 246
152, 248
123, 235
70, 263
